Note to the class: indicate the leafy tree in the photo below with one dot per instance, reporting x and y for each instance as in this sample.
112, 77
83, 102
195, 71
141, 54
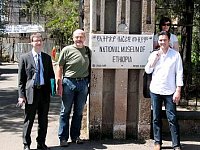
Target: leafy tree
35, 7
187, 12
61, 19
196, 49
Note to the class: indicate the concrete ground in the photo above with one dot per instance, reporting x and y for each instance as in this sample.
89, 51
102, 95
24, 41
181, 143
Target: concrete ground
11, 122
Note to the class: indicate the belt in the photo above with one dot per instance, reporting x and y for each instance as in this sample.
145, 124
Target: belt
77, 79
38, 86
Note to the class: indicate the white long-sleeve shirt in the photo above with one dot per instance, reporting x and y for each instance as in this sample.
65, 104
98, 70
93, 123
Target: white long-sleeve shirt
41, 66
167, 73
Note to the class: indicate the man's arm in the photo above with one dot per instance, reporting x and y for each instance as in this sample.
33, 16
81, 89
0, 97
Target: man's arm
52, 75
59, 73
179, 79
176, 46
177, 95
21, 81
152, 60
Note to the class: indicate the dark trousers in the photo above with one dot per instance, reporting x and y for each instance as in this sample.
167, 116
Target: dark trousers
170, 106
41, 107
74, 94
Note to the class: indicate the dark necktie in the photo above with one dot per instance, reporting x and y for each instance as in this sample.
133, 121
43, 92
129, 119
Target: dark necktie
38, 73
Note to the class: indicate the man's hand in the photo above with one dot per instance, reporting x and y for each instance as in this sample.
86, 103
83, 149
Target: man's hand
59, 88
155, 59
21, 102
176, 97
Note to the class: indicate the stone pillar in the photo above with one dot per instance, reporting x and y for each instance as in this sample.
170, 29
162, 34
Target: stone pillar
144, 119
120, 104
95, 113
117, 108
121, 76
95, 104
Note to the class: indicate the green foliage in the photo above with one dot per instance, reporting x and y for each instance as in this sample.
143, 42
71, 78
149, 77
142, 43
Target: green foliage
177, 9
34, 8
168, 8
187, 14
61, 18
196, 39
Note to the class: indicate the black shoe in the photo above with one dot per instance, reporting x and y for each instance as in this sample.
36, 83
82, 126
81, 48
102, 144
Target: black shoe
77, 141
26, 147
63, 143
42, 147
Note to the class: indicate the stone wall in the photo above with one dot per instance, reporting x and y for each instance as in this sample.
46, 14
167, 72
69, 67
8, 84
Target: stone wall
117, 108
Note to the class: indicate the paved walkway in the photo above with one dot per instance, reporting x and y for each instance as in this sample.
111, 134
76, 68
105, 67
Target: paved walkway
11, 121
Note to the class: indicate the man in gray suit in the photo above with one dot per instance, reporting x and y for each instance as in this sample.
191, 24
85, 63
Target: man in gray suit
34, 87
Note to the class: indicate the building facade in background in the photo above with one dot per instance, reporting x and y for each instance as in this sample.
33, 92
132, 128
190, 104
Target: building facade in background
17, 23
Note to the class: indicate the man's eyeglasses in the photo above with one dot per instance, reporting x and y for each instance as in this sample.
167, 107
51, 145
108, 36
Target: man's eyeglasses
166, 24
36, 41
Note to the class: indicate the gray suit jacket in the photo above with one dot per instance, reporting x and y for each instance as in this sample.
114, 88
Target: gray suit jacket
27, 73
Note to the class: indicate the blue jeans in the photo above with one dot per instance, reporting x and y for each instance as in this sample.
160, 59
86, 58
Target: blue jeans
170, 106
74, 94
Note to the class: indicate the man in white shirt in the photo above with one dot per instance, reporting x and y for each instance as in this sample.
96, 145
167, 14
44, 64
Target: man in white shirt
167, 79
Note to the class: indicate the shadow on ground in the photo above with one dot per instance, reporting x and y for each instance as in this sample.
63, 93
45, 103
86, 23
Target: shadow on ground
5, 69
94, 145
12, 117
184, 147
86, 146
188, 142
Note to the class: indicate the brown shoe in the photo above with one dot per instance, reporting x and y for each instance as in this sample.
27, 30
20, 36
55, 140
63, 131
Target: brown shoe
157, 147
